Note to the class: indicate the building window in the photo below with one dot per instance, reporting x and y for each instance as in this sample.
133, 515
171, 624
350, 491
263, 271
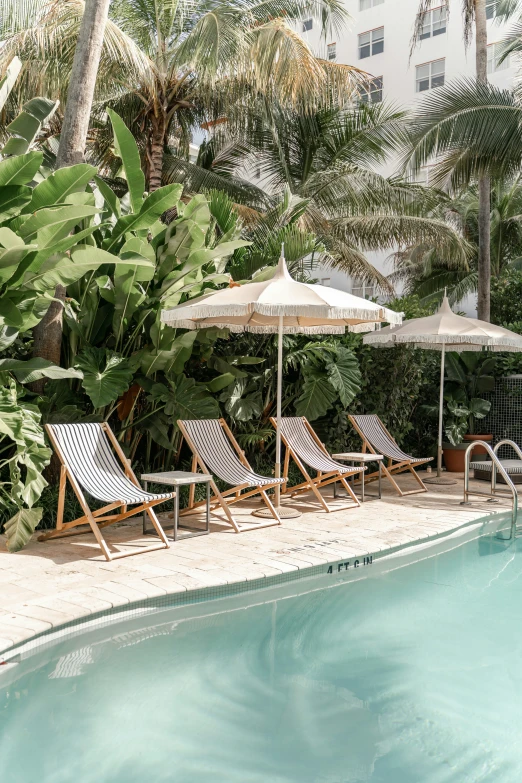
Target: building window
331, 51
491, 9
365, 4
494, 54
307, 25
371, 43
424, 175
371, 91
433, 23
360, 288
325, 280
429, 75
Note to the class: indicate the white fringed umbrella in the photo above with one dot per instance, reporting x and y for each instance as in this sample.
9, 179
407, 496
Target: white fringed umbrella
446, 331
285, 306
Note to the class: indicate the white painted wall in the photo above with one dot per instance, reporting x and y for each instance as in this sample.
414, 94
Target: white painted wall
394, 65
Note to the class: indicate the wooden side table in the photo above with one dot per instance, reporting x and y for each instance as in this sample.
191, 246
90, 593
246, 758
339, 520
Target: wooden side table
362, 458
177, 479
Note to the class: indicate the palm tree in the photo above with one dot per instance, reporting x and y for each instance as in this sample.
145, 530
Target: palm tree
165, 67
80, 93
474, 13
327, 159
427, 272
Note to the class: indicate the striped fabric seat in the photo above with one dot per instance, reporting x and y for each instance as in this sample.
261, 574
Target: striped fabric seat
219, 456
513, 466
91, 460
299, 438
374, 432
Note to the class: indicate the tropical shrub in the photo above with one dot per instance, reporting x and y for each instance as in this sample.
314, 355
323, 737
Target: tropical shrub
468, 375
506, 299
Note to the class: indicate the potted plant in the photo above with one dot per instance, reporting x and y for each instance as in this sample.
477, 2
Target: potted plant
468, 375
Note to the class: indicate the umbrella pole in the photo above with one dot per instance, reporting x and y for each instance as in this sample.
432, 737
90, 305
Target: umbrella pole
284, 512
439, 478
441, 408
279, 405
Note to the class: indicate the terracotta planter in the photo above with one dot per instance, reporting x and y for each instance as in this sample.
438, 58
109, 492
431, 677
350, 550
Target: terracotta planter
455, 456
479, 449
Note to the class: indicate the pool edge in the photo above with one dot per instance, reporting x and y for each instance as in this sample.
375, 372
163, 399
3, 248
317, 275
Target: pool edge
126, 611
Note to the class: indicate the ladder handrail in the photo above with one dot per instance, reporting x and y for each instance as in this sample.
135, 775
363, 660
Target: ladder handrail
497, 465
507, 442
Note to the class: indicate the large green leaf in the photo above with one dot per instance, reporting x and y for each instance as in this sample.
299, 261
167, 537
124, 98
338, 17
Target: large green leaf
345, 376
127, 150
106, 375
8, 335
34, 369
185, 399
111, 199
152, 208
167, 360
137, 266
26, 126
188, 236
59, 247
199, 258
21, 169
20, 423
21, 527
13, 198
60, 184
220, 382
10, 259
23, 309
317, 396
158, 426
54, 224
64, 270
241, 401
479, 408
10, 314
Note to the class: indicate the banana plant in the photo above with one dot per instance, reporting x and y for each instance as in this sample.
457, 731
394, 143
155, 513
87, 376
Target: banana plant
43, 235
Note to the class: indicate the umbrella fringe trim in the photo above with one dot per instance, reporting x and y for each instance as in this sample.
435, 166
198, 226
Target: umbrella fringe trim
487, 342
200, 312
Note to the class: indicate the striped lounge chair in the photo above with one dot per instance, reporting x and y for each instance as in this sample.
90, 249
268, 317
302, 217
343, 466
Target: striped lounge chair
378, 440
304, 447
216, 451
86, 451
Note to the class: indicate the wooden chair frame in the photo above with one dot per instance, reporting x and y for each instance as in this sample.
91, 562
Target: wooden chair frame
224, 499
393, 467
321, 480
94, 520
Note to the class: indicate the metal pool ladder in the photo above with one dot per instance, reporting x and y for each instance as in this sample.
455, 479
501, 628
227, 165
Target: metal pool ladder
496, 465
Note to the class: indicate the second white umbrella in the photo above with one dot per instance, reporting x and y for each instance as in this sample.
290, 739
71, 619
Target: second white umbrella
446, 331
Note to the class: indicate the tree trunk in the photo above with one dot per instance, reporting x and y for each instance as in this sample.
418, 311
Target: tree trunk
484, 185
83, 80
157, 145
48, 333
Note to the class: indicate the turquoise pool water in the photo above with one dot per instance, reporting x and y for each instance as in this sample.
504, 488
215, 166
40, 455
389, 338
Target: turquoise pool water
409, 676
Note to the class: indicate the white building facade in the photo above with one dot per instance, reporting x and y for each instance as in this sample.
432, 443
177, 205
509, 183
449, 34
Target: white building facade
377, 39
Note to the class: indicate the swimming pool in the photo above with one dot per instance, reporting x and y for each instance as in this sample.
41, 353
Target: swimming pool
409, 675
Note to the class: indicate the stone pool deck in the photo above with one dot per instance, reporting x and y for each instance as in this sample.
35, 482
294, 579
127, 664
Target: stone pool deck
56, 582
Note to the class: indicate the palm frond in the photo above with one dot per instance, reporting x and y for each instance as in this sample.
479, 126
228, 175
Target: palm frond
475, 126
196, 180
